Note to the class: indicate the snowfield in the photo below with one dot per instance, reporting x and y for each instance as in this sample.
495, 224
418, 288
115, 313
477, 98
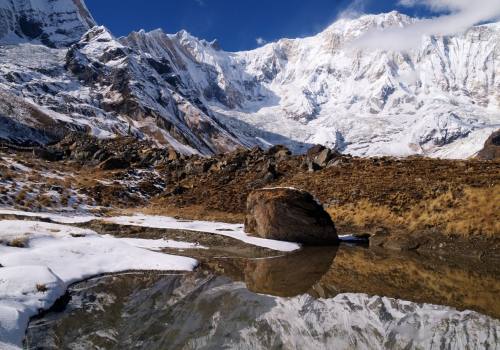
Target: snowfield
165, 222
61, 218
39, 260
229, 230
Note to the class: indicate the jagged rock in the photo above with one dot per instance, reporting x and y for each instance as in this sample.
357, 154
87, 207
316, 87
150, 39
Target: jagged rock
318, 157
173, 155
83, 155
55, 23
101, 155
279, 151
289, 214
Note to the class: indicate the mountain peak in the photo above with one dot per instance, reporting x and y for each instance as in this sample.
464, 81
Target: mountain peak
54, 23
370, 21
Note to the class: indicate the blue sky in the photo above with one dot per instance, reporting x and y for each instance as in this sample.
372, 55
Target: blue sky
237, 24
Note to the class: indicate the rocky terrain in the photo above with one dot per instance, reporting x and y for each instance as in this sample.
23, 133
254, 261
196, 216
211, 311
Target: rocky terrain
411, 203
491, 147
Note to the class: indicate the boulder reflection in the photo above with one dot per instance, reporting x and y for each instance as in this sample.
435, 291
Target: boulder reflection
291, 275
285, 276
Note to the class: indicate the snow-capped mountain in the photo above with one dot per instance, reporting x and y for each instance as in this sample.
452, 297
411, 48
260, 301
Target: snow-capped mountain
442, 99
53, 23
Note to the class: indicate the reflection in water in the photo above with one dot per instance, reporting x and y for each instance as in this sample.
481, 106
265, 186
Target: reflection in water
462, 284
285, 276
274, 304
325, 272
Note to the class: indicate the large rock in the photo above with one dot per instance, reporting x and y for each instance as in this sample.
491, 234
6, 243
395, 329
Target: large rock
289, 214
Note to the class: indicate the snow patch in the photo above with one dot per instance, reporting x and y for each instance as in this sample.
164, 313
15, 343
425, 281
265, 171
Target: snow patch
39, 260
229, 230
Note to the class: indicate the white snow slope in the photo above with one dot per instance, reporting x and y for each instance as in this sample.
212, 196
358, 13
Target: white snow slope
39, 260
441, 99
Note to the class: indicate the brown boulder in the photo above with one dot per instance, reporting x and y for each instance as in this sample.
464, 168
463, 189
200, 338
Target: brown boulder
289, 214
173, 155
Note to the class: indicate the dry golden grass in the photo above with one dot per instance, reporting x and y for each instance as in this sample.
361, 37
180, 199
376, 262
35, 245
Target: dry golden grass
474, 211
364, 214
45, 201
21, 196
65, 197
20, 242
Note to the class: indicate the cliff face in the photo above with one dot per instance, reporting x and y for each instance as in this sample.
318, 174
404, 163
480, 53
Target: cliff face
54, 23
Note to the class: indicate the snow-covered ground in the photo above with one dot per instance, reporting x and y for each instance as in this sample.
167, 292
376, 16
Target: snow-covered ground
39, 260
165, 222
229, 230
62, 218
159, 244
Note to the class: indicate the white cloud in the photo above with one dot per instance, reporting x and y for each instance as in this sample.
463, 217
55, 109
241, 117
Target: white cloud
261, 41
461, 15
355, 9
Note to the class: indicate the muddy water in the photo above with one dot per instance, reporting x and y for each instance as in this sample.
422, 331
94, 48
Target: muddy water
317, 298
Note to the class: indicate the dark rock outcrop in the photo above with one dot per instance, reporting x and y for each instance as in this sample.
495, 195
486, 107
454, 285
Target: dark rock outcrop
319, 157
289, 214
491, 150
114, 163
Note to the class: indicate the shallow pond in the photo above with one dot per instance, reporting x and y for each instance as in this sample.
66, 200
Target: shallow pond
317, 298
